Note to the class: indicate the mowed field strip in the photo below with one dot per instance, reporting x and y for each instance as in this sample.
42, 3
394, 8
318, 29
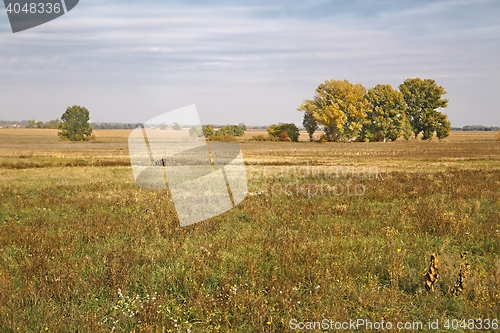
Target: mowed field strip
460, 150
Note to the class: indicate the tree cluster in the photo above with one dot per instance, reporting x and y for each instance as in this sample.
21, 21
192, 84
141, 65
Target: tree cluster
51, 124
479, 128
210, 132
348, 111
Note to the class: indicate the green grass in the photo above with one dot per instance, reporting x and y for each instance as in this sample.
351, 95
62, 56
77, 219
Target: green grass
73, 238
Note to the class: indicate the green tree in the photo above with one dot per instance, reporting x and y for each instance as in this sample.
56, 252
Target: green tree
75, 124
340, 107
407, 130
196, 131
443, 126
310, 124
177, 127
423, 101
53, 124
233, 130
387, 117
284, 132
208, 131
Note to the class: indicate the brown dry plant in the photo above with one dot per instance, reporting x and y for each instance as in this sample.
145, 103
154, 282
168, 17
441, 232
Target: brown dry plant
432, 274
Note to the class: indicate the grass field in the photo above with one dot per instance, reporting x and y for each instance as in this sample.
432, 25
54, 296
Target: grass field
333, 230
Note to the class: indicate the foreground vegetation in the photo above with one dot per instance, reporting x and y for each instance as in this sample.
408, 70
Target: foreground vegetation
83, 249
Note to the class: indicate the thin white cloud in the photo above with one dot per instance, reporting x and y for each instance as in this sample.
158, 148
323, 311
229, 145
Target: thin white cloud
224, 54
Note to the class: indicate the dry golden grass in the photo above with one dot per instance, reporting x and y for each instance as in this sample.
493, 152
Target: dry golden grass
83, 249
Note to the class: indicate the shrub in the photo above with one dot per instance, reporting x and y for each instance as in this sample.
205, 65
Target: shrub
196, 131
233, 130
291, 130
259, 138
284, 136
323, 138
262, 138
208, 131
225, 138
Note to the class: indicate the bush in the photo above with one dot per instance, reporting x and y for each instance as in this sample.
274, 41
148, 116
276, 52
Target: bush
225, 138
262, 138
259, 138
284, 136
291, 130
196, 131
233, 130
208, 131
323, 138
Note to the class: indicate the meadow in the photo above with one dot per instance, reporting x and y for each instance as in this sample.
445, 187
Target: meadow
334, 230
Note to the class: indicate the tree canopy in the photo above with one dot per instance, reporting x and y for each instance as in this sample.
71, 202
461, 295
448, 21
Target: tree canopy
310, 124
75, 124
340, 107
387, 116
348, 111
423, 100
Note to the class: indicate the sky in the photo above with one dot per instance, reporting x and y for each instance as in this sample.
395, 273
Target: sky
246, 61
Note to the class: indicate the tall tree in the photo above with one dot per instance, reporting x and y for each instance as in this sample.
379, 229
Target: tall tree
387, 116
443, 126
423, 103
310, 124
340, 107
75, 124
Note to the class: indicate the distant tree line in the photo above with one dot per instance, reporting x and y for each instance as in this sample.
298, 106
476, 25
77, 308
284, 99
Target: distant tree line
55, 124
476, 128
114, 125
51, 124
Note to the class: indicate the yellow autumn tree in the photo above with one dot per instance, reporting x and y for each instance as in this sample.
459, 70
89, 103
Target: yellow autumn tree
340, 107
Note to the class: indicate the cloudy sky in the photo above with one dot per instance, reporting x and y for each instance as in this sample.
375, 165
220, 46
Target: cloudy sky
246, 61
